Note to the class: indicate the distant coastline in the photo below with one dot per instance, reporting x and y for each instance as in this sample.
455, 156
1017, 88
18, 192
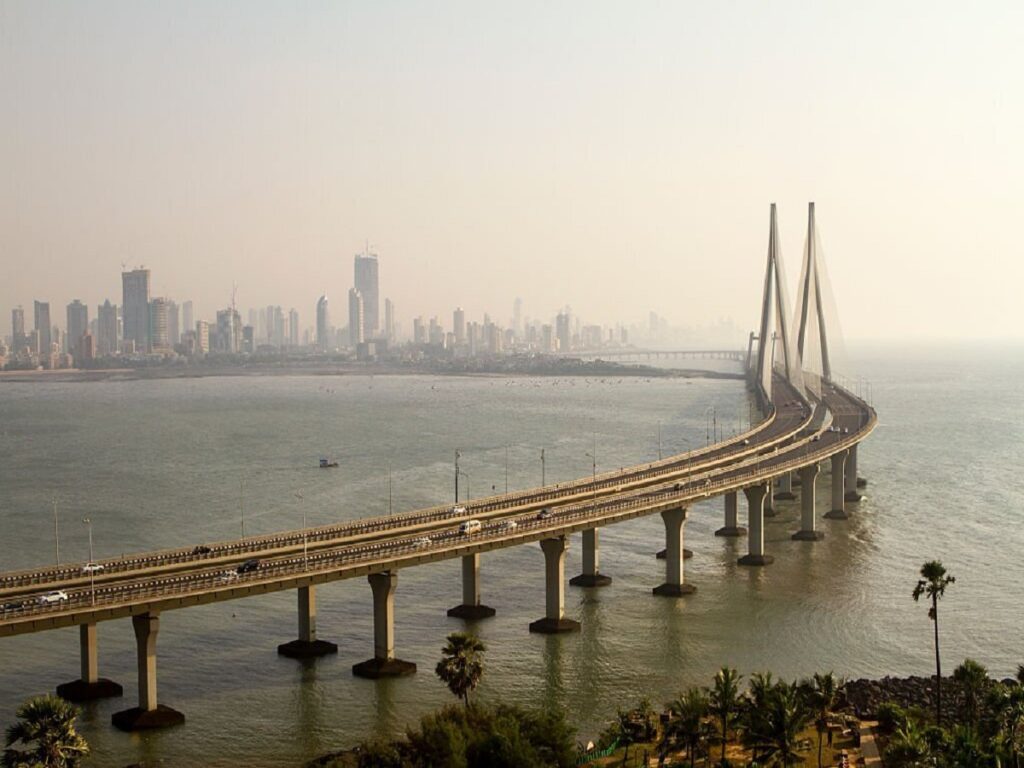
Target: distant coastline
291, 368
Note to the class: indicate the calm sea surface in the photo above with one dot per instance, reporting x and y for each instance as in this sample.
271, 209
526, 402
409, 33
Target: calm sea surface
170, 463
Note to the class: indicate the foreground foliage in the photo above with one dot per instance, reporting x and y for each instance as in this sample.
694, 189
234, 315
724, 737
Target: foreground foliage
46, 726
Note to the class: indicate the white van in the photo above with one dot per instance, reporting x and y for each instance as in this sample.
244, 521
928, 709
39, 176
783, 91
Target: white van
471, 526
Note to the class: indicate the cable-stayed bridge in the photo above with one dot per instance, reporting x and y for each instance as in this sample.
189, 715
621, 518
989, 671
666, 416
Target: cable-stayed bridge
807, 419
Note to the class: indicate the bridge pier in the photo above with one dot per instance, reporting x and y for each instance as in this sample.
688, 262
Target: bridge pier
554, 620
307, 646
785, 488
90, 686
851, 475
756, 495
383, 663
591, 576
807, 532
732, 527
149, 714
674, 586
838, 511
471, 607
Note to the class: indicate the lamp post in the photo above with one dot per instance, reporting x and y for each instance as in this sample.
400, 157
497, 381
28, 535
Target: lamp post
56, 533
468, 494
593, 466
506, 469
389, 487
659, 441
305, 535
92, 562
241, 504
457, 455
543, 479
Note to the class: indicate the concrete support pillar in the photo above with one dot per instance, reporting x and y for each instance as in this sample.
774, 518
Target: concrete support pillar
591, 576
554, 620
90, 685
149, 714
807, 532
850, 483
674, 586
307, 646
769, 506
383, 663
756, 495
471, 607
838, 511
732, 526
785, 488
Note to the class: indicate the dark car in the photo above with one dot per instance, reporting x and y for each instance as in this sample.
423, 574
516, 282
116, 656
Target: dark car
249, 566
202, 549
544, 514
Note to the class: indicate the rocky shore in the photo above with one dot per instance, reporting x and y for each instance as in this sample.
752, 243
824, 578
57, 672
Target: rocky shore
864, 696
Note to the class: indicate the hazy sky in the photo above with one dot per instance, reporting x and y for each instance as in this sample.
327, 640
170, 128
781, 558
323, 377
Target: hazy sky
615, 157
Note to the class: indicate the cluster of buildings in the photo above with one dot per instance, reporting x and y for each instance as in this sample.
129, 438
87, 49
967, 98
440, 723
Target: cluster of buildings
146, 329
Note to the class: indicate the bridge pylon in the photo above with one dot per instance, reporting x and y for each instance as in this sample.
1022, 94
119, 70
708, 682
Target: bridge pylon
810, 311
775, 338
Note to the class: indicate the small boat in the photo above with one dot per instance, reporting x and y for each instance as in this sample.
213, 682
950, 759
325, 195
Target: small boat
327, 463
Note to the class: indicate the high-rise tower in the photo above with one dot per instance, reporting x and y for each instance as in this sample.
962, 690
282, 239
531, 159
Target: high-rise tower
366, 282
135, 308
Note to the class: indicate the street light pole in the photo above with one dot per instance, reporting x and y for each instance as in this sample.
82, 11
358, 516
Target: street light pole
305, 535
543, 479
457, 454
659, 441
389, 488
56, 533
506, 469
241, 503
92, 562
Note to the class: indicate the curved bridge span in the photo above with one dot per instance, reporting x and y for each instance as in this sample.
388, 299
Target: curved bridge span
799, 431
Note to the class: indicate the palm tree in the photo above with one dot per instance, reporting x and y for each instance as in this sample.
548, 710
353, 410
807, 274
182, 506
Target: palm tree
933, 583
461, 665
758, 691
908, 747
784, 717
823, 691
972, 678
687, 724
48, 722
1007, 704
725, 702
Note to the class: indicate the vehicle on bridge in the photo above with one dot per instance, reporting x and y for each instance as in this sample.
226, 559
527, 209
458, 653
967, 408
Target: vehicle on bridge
544, 514
471, 526
249, 566
92, 568
57, 596
327, 463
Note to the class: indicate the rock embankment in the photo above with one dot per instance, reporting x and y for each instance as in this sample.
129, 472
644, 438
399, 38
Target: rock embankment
864, 696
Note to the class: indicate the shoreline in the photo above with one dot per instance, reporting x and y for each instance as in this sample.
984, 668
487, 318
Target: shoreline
85, 375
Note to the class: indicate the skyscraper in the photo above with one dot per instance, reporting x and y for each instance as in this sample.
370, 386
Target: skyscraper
323, 324
135, 308
106, 329
366, 282
18, 338
389, 320
187, 321
356, 316
173, 324
293, 328
78, 325
159, 334
517, 317
42, 326
459, 325
562, 332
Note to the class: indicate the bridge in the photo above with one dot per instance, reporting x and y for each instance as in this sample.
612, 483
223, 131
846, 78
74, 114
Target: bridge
636, 353
807, 419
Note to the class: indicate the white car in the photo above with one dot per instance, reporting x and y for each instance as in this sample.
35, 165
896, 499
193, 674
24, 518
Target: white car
509, 525
57, 596
471, 526
423, 542
227, 576
458, 509
92, 568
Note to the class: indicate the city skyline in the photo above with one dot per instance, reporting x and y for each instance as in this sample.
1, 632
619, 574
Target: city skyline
592, 169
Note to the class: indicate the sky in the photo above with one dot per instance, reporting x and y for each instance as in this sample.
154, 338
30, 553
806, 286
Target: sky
618, 158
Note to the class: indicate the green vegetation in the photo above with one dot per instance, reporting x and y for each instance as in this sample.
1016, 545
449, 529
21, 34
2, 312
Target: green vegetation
932, 584
461, 665
46, 726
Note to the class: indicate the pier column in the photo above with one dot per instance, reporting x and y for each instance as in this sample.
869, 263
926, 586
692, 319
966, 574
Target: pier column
732, 527
554, 620
471, 607
307, 646
851, 475
755, 522
90, 685
785, 491
591, 576
383, 663
838, 511
148, 714
807, 532
674, 586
